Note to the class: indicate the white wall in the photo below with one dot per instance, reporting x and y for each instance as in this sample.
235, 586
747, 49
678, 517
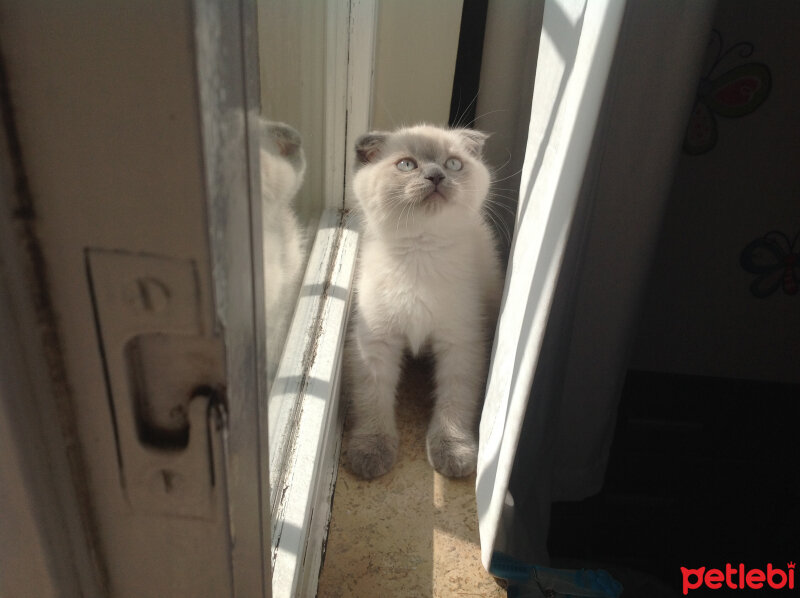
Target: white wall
415, 58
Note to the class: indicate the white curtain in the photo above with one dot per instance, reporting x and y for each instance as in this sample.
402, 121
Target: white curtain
615, 82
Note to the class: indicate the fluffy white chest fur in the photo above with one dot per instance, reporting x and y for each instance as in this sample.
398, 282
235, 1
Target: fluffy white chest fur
428, 278
420, 285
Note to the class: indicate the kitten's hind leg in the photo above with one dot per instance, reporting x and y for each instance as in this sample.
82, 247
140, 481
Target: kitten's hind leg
375, 364
452, 441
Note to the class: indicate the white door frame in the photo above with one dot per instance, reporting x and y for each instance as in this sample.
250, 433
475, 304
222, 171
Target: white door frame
57, 481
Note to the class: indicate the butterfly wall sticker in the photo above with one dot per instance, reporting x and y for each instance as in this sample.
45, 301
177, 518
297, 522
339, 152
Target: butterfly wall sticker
725, 90
775, 260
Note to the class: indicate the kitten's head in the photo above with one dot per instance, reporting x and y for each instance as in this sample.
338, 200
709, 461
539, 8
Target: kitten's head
423, 170
283, 162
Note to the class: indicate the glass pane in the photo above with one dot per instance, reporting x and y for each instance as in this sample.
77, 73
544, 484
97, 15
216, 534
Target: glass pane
291, 40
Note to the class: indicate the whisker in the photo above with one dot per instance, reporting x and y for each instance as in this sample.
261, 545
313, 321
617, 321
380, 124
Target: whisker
458, 121
508, 177
495, 170
503, 207
500, 225
501, 199
478, 117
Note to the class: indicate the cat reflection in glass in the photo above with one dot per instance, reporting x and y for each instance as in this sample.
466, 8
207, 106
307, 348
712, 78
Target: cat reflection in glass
283, 166
429, 280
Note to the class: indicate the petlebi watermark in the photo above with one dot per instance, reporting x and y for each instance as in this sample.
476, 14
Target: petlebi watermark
739, 577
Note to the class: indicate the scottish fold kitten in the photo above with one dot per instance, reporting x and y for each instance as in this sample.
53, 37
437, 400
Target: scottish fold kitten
429, 279
283, 166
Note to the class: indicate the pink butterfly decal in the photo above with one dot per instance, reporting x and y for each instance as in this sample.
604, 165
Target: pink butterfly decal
734, 93
775, 260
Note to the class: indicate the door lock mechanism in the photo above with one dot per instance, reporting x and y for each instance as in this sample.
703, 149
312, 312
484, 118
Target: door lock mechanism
165, 381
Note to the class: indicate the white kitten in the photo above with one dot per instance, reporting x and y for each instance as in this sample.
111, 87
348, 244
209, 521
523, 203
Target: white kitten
429, 278
283, 166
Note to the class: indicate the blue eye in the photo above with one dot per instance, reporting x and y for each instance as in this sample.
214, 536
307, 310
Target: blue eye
406, 164
453, 164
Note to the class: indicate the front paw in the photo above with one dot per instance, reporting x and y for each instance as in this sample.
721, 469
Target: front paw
371, 455
451, 456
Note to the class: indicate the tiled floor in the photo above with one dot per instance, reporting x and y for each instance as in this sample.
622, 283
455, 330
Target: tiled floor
411, 533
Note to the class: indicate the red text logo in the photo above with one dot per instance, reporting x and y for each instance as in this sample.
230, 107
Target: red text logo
738, 578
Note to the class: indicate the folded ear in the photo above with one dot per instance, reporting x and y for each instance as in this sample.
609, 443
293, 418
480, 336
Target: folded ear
286, 137
369, 147
473, 140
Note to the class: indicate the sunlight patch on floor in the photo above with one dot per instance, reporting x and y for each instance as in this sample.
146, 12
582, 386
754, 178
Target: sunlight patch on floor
411, 533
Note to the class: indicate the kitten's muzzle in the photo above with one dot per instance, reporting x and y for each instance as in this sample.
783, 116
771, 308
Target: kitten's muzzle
434, 174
